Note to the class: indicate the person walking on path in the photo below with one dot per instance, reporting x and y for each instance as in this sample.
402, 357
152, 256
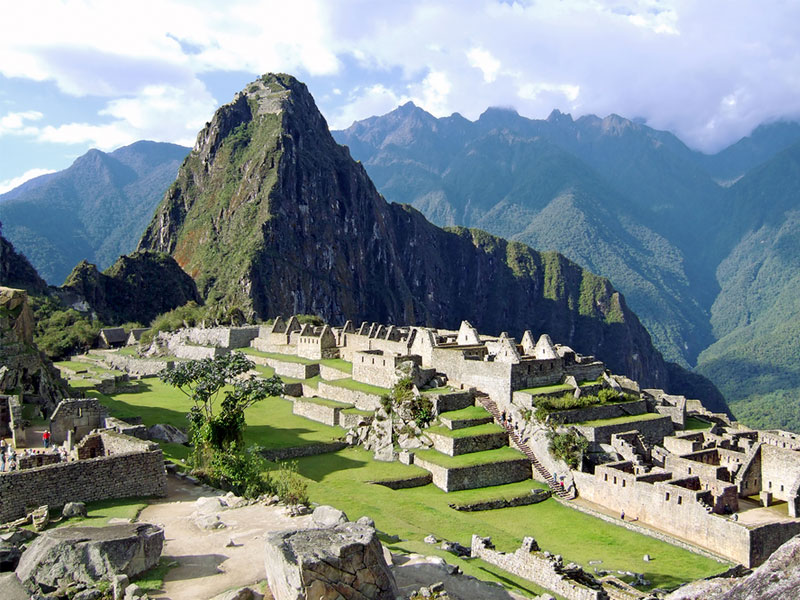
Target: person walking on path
46, 438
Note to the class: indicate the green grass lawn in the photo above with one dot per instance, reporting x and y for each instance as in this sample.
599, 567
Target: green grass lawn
693, 424
360, 387
328, 403
467, 431
618, 420
338, 364
437, 391
99, 513
291, 358
466, 414
340, 479
504, 454
270, 423
548, 389
72, 365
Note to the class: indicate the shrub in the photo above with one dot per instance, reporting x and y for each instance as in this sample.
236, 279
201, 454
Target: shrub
240, 471
289, 485
569, 446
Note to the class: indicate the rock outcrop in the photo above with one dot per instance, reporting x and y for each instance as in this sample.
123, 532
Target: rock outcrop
23, 369
777, 579
86, 555
16, 271
138, 287
345, 561
269, 215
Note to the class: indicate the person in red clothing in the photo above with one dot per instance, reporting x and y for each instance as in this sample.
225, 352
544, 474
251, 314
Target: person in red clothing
46, 438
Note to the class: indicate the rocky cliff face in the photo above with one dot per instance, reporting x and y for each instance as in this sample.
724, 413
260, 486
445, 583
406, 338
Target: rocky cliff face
269, 214
138, 287
23, 369
16, 271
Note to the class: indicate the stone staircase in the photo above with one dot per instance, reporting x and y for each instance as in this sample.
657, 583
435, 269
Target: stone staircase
554, 486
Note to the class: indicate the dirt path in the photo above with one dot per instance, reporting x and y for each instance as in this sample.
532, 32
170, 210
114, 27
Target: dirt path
206, 566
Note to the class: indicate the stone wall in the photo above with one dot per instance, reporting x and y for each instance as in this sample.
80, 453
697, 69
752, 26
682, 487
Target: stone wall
376, 368
278, 454
137, 473
455, 446
15, 422
328, 415
547, 571
191, 352
451, 401
331, 373
39, 460
78, 415
353, 342
348, 420
137, 366
467, 478
671, 508
684, 443
780, 469
221, 337
361, 400
601, 411
652, 430
781, 439
492, 378
287, 368
585, 371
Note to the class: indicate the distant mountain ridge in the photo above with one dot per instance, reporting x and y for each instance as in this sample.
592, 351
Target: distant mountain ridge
95, 210
269, 215
675, 230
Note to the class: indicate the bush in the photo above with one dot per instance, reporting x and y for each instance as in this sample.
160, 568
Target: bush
289, 485
59, 332
240, 471
568, 446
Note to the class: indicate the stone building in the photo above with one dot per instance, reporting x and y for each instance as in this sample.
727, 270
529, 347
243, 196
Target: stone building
74, 418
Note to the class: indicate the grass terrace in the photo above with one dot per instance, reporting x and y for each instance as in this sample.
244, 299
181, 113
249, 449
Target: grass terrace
548, 389
467, 431
485, 457
360, 387
438, 390
695, 424
291, 358
341, 479
618, 420
466, 414
328, 403
338, 364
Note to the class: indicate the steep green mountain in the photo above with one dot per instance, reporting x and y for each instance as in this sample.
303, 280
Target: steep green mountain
756, 361
136, 288
16, 271
95, 210
766, 141
607, 193
270, 215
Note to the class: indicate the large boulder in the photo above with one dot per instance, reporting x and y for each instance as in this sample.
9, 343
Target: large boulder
328, 516
86, 555
166, 433
342, 561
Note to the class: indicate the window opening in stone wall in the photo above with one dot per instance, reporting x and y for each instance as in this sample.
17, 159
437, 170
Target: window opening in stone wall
680, 499
667, 496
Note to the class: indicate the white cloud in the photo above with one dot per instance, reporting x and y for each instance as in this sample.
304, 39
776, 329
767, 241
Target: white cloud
15, 122
671, 62
483, 60
9, 184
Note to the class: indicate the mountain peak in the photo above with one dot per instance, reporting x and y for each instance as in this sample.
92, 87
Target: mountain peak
556, 116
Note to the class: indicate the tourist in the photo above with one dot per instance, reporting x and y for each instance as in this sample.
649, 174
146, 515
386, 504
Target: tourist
46, 438
622, 515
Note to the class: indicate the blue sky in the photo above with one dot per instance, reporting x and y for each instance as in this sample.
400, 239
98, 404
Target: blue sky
80, 74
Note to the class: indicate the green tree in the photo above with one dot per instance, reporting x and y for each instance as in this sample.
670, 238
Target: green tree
220, 395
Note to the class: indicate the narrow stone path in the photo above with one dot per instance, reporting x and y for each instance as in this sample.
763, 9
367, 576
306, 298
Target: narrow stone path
490, 406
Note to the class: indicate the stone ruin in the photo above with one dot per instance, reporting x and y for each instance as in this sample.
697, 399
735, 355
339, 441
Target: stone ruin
342, 561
